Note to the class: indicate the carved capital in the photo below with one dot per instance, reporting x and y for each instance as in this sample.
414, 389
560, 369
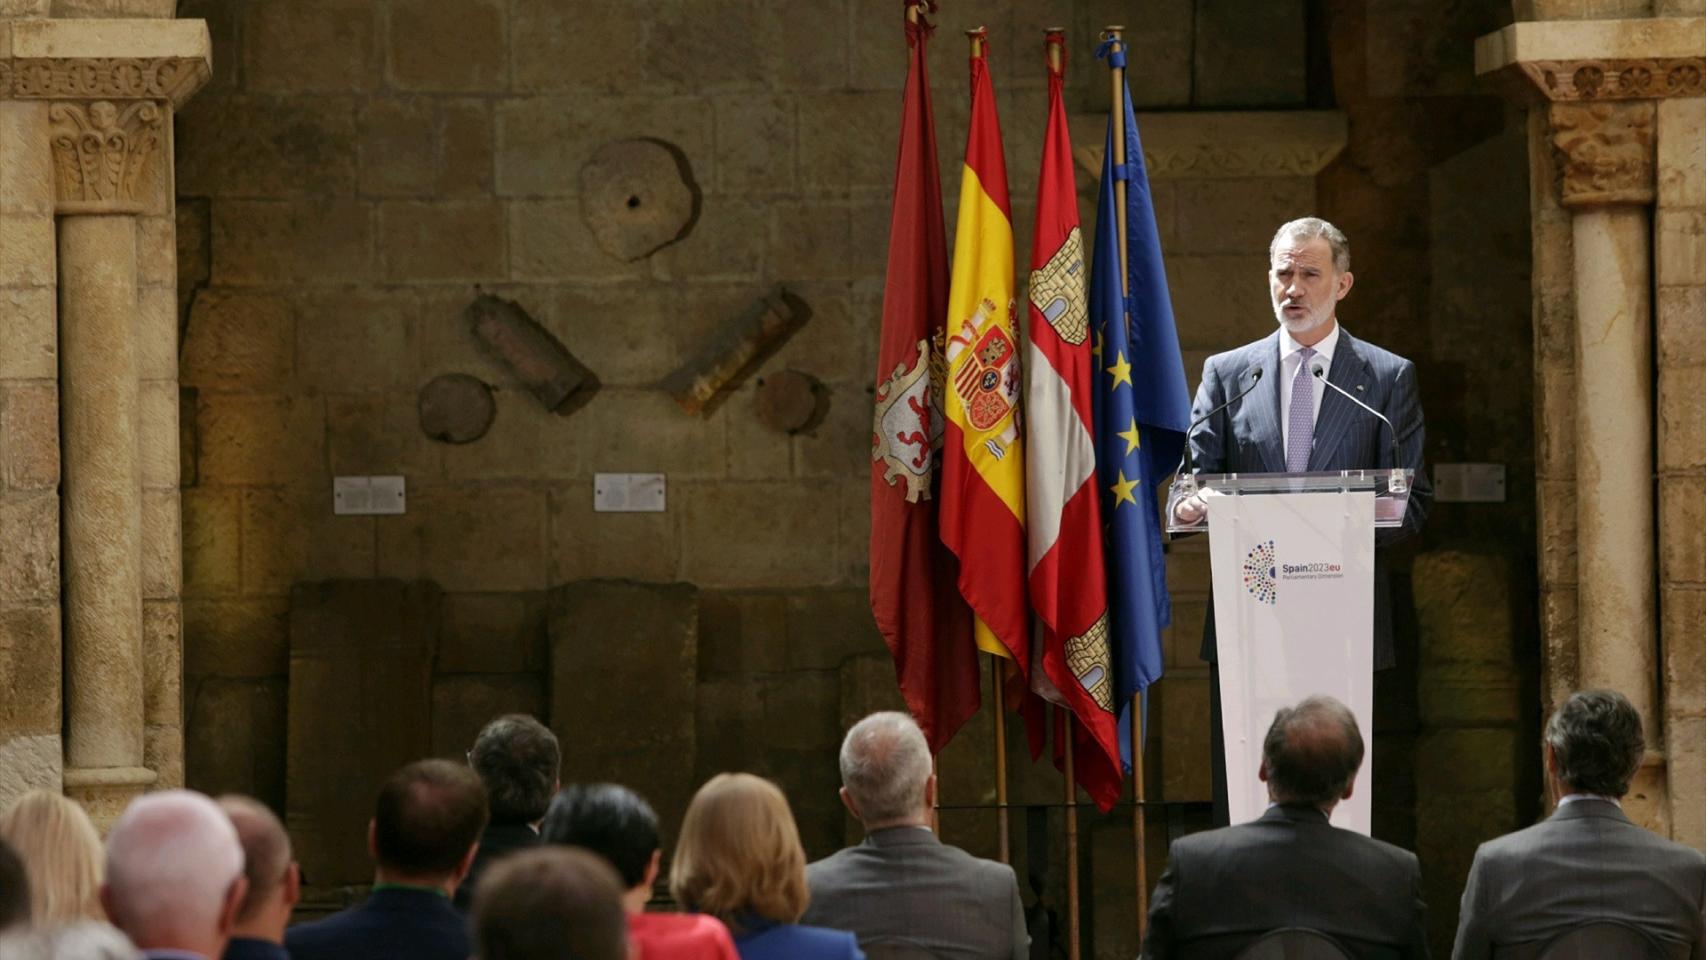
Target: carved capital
109, 157
1604, 151
1637, 79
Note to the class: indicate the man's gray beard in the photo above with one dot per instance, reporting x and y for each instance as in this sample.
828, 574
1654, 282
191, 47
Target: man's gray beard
1303, 325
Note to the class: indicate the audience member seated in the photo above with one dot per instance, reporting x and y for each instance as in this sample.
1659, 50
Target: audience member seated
273, 877
615, 823
426, 825
902, 887
82, 940
554, 903
62, 855
740, 860
1223, 889
516, 758
174, 876
14, 890
1587, 862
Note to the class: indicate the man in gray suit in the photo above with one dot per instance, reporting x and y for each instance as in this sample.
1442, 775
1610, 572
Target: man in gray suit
1224, 889
903, 888
1587, 862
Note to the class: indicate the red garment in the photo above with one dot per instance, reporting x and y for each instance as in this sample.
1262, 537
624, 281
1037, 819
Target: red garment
679, 936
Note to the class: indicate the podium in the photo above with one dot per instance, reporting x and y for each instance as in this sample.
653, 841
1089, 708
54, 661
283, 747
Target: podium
1292, 559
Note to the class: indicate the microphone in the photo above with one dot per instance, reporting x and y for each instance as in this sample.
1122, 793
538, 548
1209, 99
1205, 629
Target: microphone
1185, 455
1318, 370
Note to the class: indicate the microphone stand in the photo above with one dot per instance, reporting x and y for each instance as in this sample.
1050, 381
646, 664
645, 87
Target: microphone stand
1397, 483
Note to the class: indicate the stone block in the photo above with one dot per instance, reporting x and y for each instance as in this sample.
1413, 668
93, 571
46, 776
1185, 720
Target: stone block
637, 692
811, 781
1681, 248
425, 147
1220, 301
1682, 417
1481, 760
163, 753
829, 626
239, 339
813, 241
447, 45
361, 657
301, 241
30, 674
1237, 217
729, 724
237, 637
1249, 56
742, 633
162, 547
1158, 51
493, 633
1560, 662
1183, 638
1184, 737
266, 148
868, 686
26, 250
222, 19
162, 663
838, 345
157, 422
756, 534
1681, 167
1471, 694
157, 333
848, 139
587, 544
713, 45
1463, 608
310, 46
26, 162
726, 243
211, 536
30, 348
30, 763
29, 566
1555, 403
853, 531
442, 241
1557, 514
463, 705
355, 341
29, 435
1682, 526
1684, 645
261, 439
550, 240
468, 538
751, 448
380, 434
290, 534
1682, 341
676, 444
755, 142
556, 47
544, 142
235, 739
839, 445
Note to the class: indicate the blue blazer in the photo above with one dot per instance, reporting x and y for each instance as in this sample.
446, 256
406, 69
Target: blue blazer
1247, 438
391, 924
761, 939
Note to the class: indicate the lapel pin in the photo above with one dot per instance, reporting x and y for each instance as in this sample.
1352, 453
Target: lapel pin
1359, 388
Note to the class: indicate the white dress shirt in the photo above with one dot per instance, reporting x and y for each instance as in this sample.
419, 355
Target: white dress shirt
1291, 367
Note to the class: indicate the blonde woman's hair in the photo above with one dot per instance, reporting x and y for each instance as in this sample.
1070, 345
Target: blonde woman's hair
740, 853
62, 856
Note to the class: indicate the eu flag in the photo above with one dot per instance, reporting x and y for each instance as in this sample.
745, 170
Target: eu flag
1142, 411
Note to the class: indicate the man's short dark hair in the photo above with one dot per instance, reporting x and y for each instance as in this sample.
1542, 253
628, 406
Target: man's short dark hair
14, 889
611, 821
1312, 751
550, 903
1596, 740
429, 813
516, 757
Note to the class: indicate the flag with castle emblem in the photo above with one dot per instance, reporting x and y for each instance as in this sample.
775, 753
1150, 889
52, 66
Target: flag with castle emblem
1063, 512
914, 595
983, 456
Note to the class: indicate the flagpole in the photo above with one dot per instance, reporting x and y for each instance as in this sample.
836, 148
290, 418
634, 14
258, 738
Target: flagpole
1072, 893
1000, 698
1116, 101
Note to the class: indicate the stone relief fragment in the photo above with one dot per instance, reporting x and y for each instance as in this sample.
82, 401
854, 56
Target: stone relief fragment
638, 196
735, 351
512, 338
456, 408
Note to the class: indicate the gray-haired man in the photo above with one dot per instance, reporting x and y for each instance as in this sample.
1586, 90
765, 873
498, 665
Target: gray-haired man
903, 887
1587, 861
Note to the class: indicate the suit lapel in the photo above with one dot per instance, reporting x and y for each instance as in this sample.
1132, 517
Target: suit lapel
1262, 408
1351, 373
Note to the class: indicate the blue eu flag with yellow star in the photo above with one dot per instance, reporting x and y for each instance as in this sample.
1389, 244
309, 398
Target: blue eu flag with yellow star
1142, 410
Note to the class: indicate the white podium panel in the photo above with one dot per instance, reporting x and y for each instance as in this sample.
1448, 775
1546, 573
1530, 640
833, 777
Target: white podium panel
1294, 616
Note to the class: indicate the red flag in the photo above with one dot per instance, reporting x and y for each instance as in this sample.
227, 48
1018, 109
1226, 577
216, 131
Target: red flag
1067, 585
917, 606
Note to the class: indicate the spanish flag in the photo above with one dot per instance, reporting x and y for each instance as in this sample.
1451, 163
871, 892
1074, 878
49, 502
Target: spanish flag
983, 463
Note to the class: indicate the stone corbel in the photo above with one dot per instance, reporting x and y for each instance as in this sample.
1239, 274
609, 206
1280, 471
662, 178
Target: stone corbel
1605, 152
1207, 145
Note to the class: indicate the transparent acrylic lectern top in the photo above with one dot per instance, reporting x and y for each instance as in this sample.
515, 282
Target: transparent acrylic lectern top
1391, 491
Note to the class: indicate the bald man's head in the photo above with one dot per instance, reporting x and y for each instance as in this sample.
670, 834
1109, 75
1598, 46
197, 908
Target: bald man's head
1312, 752
174, 873
266, 856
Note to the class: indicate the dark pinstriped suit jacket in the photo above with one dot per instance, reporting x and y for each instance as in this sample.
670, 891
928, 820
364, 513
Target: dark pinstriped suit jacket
1246, 437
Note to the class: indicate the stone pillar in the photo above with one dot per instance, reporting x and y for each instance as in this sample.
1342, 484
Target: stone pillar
100, 94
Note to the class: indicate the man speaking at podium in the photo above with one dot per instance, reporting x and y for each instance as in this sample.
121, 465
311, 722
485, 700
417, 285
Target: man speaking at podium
1272, 407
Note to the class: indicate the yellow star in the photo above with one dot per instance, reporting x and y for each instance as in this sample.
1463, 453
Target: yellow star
1096, 347
1130, 437
1122, 491
1121, 370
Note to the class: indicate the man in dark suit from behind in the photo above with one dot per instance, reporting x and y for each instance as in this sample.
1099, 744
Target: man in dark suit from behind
1586, 862
275, 881
903, 887
517, 759
426, 826
1224, 889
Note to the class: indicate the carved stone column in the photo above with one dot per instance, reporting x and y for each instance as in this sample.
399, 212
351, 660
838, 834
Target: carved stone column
109, 88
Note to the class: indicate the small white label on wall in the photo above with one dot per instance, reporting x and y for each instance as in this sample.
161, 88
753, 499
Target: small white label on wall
1469, 483
627, 493
361, 496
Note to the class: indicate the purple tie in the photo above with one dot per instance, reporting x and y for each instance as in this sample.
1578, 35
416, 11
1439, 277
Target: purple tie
1300, 425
